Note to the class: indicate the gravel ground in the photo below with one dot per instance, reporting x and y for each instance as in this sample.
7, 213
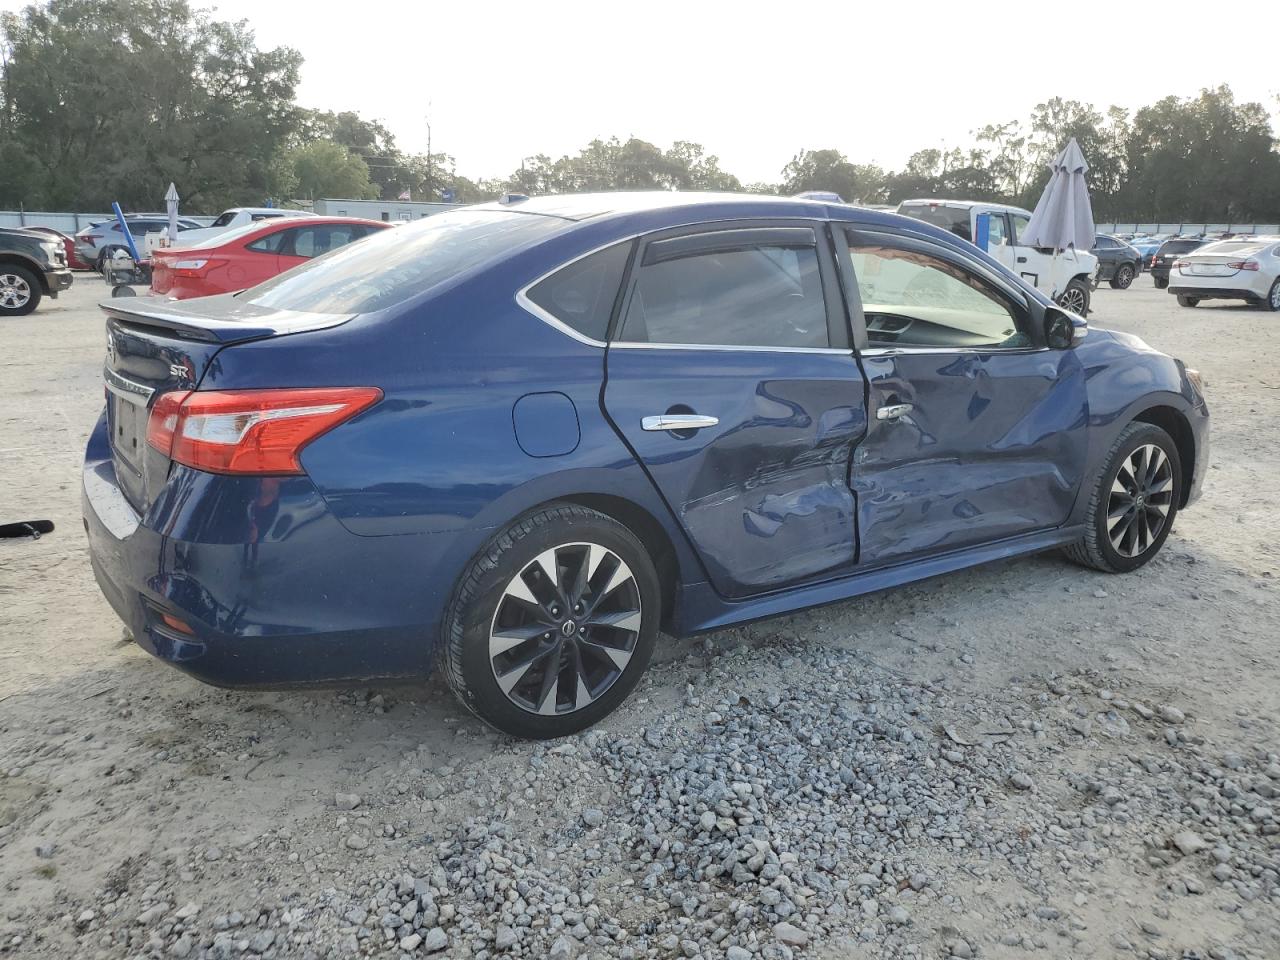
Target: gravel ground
1029, 758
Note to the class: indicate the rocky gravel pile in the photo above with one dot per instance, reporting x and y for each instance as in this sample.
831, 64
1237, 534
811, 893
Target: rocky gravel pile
794, 802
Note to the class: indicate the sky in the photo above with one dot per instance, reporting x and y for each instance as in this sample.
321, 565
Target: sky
753, 82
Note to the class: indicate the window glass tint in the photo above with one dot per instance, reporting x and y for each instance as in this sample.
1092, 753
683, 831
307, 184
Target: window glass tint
996, 236
1105, 243
1020, 221
913, 299
1180, 246
581, 294
398, 264
755, 296
268, 244
954, 219
224, 219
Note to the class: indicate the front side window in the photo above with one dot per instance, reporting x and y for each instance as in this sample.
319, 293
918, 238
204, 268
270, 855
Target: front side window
581, 294
912, 299
757, 296
1020, 221
996, 236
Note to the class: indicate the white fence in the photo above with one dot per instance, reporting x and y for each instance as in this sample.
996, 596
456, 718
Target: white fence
67, 222
1192, 228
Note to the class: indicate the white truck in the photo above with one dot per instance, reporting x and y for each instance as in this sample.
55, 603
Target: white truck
1065, 276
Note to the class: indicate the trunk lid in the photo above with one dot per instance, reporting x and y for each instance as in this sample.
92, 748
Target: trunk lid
157, 346
1202, 265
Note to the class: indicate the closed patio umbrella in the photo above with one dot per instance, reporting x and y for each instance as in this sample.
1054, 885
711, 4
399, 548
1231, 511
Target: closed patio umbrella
1063, 217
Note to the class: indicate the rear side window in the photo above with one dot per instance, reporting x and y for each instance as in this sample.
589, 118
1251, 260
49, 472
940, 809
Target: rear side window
268, 244
581, 294
758, 296
395, 265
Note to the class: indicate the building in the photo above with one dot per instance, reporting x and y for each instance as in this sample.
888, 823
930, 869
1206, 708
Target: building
388, 210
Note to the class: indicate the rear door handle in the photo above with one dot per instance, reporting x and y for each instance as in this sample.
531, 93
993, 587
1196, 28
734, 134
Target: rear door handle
678, 421
894, 411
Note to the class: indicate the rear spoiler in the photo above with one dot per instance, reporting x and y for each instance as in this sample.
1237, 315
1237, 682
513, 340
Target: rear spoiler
221, 319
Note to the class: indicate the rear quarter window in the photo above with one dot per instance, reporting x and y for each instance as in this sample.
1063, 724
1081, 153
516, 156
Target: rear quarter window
395, 265
581, 294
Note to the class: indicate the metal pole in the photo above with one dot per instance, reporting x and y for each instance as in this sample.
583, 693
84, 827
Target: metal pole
429, 192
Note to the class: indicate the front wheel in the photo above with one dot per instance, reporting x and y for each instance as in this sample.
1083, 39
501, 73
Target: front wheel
1075, 297
19, 291
553, 623
1133, 502
1123, 277
1185, 301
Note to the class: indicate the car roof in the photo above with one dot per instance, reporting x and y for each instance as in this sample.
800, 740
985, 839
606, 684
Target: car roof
268, 210
589, 206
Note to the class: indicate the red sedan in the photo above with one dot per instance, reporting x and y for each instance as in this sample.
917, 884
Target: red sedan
248, 255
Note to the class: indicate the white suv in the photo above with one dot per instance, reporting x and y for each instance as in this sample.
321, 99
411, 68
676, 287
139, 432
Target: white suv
1067, 278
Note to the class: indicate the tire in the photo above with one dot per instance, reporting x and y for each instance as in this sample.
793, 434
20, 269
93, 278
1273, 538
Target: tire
1272, 302
1123, 278
1160, 282
1076, 297
1160, 489
20, 290
123, 290
491, 628
1185, 301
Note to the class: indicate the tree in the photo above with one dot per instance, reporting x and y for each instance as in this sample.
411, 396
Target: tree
830, 170
326, 169
106, 100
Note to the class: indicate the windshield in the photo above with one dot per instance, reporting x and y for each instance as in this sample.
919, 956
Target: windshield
224, 219
394, 265
226, 236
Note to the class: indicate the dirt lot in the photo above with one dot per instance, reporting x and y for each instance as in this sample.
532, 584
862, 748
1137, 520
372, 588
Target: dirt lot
1027, 758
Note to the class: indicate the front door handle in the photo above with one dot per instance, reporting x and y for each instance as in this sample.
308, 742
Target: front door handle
678, 421
1022, 259
894, 411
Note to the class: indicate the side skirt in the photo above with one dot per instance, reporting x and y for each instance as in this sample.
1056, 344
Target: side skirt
701, 609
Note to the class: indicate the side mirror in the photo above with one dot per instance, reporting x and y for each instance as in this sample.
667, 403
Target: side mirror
1063, 329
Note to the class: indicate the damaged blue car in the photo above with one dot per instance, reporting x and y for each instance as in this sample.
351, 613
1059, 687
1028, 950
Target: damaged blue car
514, 441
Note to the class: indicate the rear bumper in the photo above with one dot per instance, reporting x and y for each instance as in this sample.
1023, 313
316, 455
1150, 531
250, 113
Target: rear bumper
274, 590
1214, 293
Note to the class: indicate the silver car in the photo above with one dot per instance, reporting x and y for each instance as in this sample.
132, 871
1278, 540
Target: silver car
98, 241
1243, 268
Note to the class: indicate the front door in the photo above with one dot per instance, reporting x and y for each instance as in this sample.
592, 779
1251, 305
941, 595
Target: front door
976, 430
731, 379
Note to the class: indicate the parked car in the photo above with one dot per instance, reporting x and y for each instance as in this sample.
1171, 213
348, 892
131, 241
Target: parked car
1246, 268
1118, 263
68, 246
247, 255
32, 266
512, 440
1067, 278
1146, 247
99, 241
227, 220
1169, 251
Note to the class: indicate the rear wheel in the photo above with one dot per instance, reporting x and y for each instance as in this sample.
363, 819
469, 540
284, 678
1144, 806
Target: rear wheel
553, 623
1123, 277
1185, 301
1133, 503
1273, 298
19, 291
1075, 297
1160, 282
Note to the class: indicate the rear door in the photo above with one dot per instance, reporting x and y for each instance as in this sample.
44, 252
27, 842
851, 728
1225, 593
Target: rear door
977, 431
731, 378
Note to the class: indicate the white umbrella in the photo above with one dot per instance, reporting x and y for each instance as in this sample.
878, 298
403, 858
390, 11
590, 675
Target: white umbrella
171, 205
1063, 217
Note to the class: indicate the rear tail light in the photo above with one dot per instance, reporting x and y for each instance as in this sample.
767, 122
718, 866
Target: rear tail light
91, 237
250, 431
1244, 265
193, 267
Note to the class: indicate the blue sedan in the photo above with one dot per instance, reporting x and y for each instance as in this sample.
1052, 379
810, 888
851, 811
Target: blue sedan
516, 440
